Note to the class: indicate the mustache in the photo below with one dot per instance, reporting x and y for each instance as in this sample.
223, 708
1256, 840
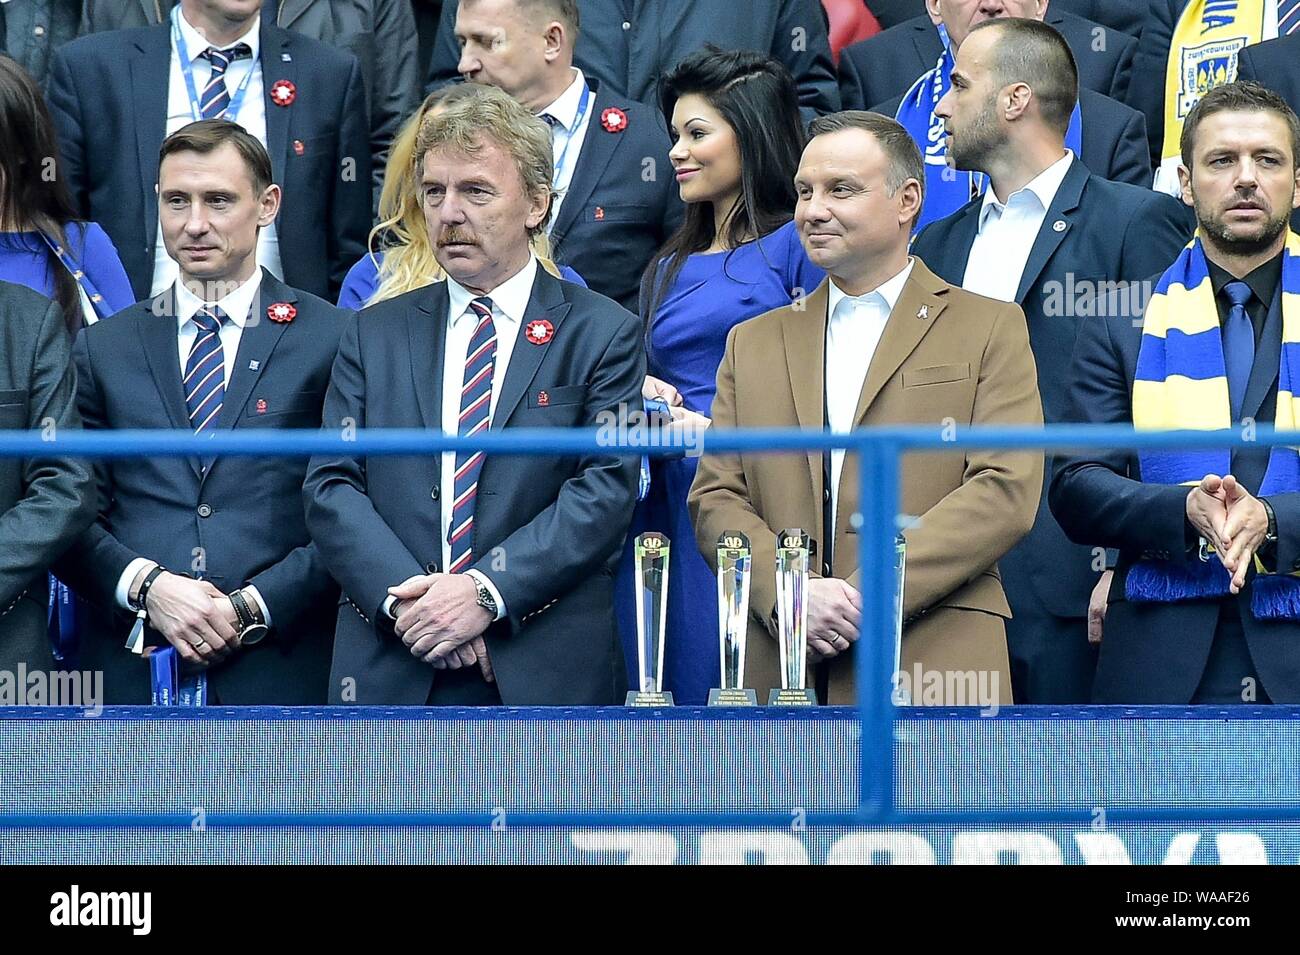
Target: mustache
455, 237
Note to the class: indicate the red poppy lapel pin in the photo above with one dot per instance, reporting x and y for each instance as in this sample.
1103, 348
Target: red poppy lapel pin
261, 406
281, 312
613, 120
283, 92
540, 332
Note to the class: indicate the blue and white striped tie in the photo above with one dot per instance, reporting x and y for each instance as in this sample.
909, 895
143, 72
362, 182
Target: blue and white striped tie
215, 98
1288, 17
205, 370
475, 416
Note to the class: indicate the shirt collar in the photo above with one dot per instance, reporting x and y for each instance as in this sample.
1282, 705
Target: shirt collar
1263, 280
889, 290
565, 107
510, 297
196, 43
237, 305
1042, 187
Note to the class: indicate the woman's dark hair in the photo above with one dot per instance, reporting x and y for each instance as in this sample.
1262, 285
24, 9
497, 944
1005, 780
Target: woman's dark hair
758, 99
32, 195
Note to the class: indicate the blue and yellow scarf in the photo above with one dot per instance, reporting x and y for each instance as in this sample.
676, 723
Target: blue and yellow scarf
1181, 384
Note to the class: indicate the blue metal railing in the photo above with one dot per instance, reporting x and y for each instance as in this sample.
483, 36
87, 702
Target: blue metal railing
880, 450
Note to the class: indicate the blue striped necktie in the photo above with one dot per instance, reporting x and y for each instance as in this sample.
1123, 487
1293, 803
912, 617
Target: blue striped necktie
1288, 17
475, 416
215, 98
205, 370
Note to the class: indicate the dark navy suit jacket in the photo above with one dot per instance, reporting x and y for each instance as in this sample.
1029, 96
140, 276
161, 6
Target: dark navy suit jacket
886, 65
548, 531
1113, 140
1150, 652
622, 202
1109, 232
108, 98
239, 522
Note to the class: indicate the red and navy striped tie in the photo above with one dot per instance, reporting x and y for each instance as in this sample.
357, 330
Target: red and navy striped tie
215, 98
205, 370
475, 416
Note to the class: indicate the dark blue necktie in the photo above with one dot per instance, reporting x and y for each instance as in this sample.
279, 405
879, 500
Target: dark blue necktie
215, 98
205, 370
1238, 344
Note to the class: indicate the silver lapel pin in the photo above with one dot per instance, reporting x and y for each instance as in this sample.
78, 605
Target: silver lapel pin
923, 312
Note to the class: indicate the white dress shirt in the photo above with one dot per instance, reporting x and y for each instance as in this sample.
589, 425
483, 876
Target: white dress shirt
252, 116
852, 334
509, 303
1007, 232
238, 306
569, 133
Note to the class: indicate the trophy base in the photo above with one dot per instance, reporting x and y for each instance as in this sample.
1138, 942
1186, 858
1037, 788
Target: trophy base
740, 697
648, 699
792, 698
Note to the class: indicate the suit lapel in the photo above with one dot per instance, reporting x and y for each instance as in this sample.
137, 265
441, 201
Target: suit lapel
150, 73
426, 326
258, 340
804, 332
914, 314
597, 149
275, 45
1050, 235
290, 11
928, 46
1268, 356
546, 302
158, 339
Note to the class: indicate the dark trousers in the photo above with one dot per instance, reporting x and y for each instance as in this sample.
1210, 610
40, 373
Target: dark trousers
1052, 661
1230, 676
463, 687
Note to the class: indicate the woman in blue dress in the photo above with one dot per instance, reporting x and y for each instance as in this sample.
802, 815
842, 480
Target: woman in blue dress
737, 133
405, 261
42, 244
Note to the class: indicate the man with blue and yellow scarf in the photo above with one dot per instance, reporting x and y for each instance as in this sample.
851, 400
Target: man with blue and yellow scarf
1204, 605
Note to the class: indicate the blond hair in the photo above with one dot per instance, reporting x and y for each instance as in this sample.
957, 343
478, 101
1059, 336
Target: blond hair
409, 262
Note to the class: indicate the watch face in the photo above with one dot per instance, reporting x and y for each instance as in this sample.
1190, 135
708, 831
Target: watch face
253, 634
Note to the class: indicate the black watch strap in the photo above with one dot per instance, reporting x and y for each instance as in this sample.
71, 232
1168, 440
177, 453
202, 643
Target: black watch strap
242, 610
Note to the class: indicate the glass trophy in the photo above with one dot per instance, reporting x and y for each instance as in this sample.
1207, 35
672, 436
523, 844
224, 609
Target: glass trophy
734, 567
901, 694
792, 547
651, 552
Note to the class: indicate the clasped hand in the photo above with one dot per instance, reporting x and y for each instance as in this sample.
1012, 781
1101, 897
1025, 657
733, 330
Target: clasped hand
1230, 518
440, 621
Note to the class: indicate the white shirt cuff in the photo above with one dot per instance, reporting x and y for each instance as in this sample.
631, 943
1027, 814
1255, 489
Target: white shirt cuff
128, 577
266, 614
492, 589
387, 607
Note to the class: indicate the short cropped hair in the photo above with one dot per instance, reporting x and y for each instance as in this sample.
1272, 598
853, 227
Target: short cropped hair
904, 157
1243, 96
492, 114
1035, 54
208, 135
566, 11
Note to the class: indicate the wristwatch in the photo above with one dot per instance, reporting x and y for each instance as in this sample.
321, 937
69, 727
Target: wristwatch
485, 598
251, 626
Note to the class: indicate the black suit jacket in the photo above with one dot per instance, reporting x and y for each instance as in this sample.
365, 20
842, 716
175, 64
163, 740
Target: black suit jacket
1113, 141
615, 217
547, 530
240, 522
886, 65
1275, 64
108, 97
1156, 653
45, 501
1109, 232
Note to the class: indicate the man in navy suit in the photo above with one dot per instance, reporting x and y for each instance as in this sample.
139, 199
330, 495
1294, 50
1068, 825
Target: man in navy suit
615, 200
886, 65
473, 579
1044, 235
1241, 172
214, 551
1276, 64
114, 97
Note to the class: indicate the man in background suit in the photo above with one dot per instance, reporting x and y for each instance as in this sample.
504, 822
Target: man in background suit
609, 216
45, 501
379, 33
218, 547
887, 64
882, 342
1240, 172
626, 45
1276, 64
115, 96
1043, 235
475, 579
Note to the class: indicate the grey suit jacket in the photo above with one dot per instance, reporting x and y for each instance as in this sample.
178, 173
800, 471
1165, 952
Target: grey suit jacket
45, 501
379, 33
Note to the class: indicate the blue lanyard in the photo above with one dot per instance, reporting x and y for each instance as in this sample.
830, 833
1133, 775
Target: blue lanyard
62, 621
577, 125
169, 688
187, 70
